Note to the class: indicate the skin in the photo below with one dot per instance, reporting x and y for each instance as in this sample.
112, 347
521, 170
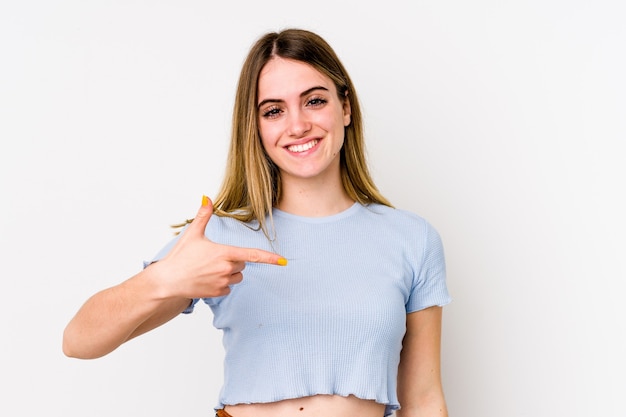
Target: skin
298, 107
420, 389
294, 112
195, 267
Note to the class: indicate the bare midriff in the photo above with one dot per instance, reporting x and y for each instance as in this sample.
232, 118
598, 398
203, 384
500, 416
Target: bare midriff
315, 406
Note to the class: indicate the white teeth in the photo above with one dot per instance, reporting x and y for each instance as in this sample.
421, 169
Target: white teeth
303, 147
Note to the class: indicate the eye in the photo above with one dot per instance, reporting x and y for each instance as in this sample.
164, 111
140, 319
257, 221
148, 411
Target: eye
316, 102
271, 112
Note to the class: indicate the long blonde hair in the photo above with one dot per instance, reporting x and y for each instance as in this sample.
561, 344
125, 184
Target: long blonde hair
252, 184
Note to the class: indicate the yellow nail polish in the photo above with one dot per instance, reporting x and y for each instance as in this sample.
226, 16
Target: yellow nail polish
205, 200
282, 261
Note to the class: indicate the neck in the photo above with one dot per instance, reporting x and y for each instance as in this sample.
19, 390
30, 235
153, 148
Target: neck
313, 198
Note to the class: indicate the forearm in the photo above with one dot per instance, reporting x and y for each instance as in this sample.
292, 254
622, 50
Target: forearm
431, 405
115, 315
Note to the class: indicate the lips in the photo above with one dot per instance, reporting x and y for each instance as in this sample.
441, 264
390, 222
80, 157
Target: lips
303, 147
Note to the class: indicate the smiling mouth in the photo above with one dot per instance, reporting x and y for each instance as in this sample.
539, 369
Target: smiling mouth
303, 147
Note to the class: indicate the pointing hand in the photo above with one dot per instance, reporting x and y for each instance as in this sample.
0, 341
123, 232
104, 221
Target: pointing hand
197, 267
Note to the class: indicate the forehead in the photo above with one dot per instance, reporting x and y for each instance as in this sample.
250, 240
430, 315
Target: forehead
281, 78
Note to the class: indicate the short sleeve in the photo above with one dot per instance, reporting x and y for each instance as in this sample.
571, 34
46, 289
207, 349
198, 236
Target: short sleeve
191, 306
429, 286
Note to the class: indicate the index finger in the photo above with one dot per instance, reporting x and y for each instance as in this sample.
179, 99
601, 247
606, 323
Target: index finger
255, 256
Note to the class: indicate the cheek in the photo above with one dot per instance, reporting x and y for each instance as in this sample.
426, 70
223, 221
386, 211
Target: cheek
340, 145
340, 132
266, 134
269, 131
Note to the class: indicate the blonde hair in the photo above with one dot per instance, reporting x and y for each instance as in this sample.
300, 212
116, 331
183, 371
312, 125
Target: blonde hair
252, 184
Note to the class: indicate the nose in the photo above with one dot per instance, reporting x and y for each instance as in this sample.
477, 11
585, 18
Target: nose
299, 125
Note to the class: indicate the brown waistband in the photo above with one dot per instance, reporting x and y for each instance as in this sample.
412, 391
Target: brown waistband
222, 413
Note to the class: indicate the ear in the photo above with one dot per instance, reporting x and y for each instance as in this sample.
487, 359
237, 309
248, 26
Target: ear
347, 111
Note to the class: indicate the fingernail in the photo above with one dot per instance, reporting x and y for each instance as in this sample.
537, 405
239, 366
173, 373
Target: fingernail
282, 261
205, 200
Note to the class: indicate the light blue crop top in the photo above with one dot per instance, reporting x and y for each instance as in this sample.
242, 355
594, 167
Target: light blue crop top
332, 320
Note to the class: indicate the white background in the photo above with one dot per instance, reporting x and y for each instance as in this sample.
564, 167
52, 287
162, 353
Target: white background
501, 122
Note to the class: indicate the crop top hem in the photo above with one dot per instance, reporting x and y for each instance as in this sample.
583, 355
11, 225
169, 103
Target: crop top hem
389, 407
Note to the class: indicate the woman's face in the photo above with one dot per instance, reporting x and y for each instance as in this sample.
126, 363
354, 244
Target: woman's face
301, 119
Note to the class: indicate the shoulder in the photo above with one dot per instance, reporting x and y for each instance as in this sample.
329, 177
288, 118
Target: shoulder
397, 218
404, 227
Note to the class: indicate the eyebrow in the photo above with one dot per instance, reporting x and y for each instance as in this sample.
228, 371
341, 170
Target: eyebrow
302, 94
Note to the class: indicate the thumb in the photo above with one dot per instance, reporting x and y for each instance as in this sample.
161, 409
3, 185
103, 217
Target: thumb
198, 225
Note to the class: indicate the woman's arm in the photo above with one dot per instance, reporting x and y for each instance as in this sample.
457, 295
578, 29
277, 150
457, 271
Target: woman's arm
117, 314
194, 268
419, 377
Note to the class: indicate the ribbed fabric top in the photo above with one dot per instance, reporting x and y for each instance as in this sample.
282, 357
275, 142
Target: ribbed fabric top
332, 320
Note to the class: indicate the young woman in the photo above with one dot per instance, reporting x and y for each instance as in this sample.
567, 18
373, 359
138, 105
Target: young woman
338, 311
